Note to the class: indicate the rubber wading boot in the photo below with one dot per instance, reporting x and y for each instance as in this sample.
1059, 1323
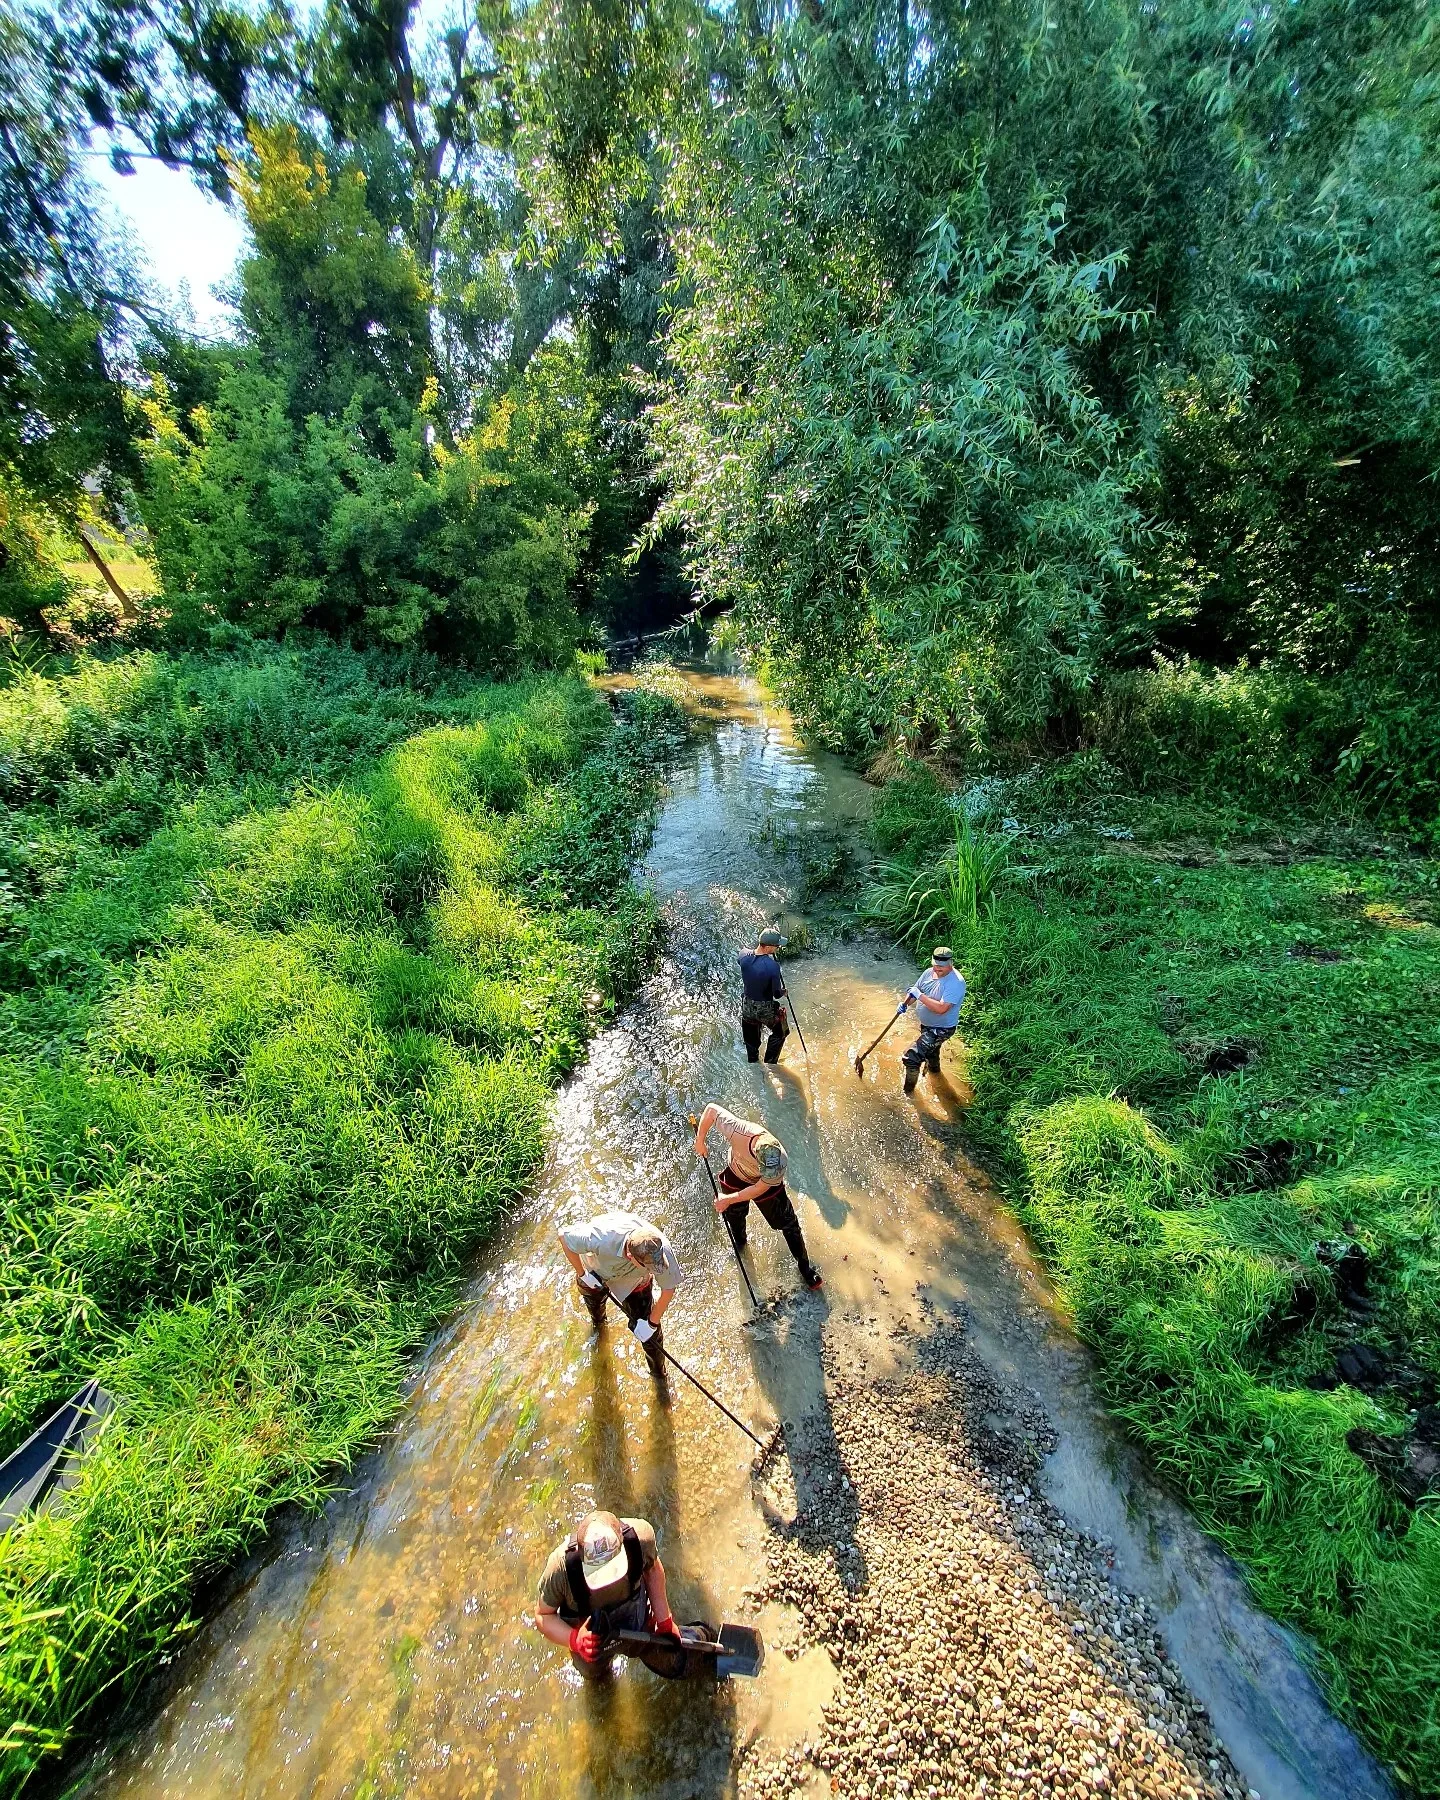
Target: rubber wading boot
594, 1304
655, 1355
911, 1077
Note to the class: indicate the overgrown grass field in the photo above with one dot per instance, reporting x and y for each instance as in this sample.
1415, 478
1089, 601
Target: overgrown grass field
293, 945
1205, 1051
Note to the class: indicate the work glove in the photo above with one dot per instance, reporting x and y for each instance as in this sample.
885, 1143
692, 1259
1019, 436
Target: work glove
901, 1007
643, 1330
585, 1642
666, 1627
913, 993
591, 1282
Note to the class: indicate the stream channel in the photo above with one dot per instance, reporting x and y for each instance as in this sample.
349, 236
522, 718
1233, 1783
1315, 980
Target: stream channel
381, 1648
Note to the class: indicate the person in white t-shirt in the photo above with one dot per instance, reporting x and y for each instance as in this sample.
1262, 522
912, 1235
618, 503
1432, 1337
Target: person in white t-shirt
938, 994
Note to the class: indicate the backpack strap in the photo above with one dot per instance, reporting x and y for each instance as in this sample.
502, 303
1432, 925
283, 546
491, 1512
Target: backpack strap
634, 1556
575, 1569
575, 1575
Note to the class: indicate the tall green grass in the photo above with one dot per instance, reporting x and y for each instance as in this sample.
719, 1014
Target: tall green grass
295, 944
1136, 945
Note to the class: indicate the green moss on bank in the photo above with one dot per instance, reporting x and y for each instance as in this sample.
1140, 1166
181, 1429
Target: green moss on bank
295, 945
1134, 951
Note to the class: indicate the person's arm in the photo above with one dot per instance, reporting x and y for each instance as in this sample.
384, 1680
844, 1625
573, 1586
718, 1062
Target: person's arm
753, 1192
932, 1005
702, 1130
662, 1301
573, 1260
777, 983
549, 1624
659, 1599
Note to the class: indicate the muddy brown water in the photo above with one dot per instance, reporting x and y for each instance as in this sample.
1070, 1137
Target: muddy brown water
382, 1648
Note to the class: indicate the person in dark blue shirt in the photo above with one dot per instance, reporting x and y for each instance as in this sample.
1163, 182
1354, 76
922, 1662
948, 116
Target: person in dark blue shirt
761, 1009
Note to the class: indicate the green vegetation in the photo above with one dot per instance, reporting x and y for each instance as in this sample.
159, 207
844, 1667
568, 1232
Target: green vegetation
1205, 1050
294, 943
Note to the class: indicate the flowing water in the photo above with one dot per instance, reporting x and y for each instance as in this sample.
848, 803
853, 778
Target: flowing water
382, 1649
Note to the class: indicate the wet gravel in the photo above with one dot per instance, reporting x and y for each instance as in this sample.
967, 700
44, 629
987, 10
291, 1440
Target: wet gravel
982, 1645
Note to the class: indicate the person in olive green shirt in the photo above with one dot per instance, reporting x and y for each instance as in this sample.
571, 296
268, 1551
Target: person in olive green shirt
605, 1577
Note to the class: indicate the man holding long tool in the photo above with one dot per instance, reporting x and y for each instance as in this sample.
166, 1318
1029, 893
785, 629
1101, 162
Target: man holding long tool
761, 1008
938, 993
632, 1258
606, 1577
754, 1170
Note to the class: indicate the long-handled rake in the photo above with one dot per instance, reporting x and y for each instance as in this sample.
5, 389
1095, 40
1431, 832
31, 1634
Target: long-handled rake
860, 1059
766, 1445
796, 1017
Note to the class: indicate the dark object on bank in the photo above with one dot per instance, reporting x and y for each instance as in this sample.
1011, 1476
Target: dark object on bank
1349, 1268
1234, 1054
1362, 1367
1407, 1465
735, 1650
49, 1460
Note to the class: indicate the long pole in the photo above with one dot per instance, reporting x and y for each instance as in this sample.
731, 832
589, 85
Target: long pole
784, 989
734, 1242
860, 1059
712, 1398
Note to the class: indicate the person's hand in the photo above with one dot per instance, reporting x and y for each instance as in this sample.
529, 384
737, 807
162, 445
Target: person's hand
591, 1281
586, 1644
643, 1330
720, 1202
914, 993
666, 1628
903, 1004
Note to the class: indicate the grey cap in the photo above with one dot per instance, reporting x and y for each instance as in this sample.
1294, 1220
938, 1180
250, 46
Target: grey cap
769, 1154
769, 939
942, 953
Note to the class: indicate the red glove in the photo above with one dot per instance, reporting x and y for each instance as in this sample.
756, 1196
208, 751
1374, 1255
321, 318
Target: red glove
666, 1628
586, 1643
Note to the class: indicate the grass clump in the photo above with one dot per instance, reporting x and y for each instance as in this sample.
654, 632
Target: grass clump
1206, 1062
295, 945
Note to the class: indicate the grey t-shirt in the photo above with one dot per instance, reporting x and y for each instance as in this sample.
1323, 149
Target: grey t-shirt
949, 987
600, 1245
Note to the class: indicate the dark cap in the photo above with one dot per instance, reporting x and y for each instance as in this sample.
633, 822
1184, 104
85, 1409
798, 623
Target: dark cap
769, 939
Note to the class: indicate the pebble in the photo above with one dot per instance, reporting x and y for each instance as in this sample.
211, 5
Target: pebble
981, 1643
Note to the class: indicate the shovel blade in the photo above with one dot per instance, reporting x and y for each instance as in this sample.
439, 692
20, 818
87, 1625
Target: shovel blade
742, 1651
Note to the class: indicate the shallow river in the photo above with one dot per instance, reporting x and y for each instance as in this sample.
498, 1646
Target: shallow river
381, 1648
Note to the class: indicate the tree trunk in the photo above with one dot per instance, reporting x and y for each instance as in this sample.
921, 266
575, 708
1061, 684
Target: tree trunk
127, 605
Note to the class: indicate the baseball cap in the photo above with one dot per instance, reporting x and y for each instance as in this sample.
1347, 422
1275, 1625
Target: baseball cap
769, 939
602, 1551
769, 1154
646, 1247
942, 954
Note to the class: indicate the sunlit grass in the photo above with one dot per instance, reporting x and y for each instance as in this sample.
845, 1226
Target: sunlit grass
275, 1054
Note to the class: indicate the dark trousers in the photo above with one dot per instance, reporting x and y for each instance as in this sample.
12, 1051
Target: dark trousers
776, 1209
755, 1021
926, 1048
635, 1305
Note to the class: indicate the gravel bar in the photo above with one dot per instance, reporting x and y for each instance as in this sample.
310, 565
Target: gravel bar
983, 1646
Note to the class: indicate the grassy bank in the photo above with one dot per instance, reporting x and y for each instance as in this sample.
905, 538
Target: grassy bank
1205, 1048
293, 945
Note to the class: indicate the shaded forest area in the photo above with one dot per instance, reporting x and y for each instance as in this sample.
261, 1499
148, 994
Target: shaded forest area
1048, 398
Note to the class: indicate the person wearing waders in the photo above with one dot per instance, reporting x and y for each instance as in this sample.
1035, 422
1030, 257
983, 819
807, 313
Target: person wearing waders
605, 1577
760, 1007
754, 1171
632, 1258
938, 994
